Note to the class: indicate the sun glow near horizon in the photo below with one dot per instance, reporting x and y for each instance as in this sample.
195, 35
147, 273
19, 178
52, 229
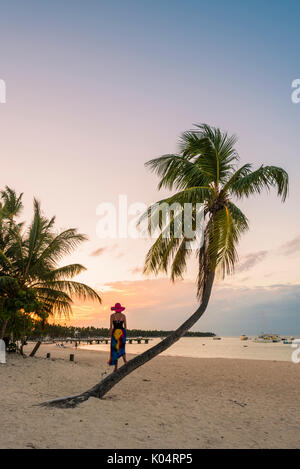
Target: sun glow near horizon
99, 95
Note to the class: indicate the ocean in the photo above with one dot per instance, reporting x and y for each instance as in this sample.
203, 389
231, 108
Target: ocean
207, 347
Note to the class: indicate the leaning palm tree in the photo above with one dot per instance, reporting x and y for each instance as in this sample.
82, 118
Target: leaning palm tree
204, 174
32, 258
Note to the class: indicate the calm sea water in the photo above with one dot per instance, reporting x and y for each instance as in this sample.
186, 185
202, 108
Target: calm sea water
199, 347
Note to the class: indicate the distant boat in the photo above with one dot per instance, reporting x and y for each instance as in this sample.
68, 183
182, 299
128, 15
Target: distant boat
268, 338
287, 340
243, 337
217, 338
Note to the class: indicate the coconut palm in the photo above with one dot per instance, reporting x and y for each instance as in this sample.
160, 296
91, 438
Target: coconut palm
10, 207
205, 174
32, 257
17, 308
11, 204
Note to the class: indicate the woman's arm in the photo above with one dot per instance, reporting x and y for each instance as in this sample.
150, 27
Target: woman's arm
125, 322
111, 325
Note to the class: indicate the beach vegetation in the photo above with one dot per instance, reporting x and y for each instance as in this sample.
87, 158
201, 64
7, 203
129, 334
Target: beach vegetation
32, 277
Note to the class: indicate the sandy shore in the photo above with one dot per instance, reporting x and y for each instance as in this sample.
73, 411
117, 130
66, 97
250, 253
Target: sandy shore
171, 402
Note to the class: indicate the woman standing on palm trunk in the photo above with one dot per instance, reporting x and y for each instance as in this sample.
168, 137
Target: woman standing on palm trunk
118, 328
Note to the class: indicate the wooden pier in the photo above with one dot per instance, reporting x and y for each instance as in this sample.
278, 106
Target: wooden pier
103, 340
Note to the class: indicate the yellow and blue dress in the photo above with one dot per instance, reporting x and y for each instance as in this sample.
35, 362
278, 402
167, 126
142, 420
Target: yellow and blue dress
118, 342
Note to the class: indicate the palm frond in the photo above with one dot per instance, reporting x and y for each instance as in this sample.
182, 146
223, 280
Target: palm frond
160, 254
204, 174
38, 234
7, 284
219, 251
67, 271
213, 151
12, 204
61, 245
5, 262
72, 288
238, 174
179, 262
32, 259
176, 171
56, 302
265, 177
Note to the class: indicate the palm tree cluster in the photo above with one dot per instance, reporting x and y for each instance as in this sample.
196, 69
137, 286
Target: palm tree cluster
32, 281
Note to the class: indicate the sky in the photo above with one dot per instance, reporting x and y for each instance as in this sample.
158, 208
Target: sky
97, 88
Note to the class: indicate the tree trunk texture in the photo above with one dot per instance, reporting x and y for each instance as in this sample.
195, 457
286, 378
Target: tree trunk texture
35, 348
3, 328
23, 342
37, 345
101, 388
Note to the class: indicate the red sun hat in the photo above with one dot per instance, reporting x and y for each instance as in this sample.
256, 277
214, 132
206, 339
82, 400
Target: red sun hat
118, 308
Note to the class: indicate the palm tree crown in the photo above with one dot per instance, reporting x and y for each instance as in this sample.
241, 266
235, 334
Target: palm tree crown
32, 256
205, 173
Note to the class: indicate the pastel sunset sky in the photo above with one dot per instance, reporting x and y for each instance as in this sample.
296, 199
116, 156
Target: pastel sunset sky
97, 88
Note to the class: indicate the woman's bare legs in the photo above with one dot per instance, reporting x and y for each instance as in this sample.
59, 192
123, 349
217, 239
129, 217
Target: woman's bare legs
116, 365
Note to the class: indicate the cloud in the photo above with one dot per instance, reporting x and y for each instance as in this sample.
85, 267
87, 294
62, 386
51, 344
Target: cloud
98, 252
136, 270
276, 308
232, 310
291, 246
254, 258
150, 303
251, 260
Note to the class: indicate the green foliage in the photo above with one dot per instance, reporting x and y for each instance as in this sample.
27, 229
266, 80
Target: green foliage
17, 307
205, 174
58, 331
31, 279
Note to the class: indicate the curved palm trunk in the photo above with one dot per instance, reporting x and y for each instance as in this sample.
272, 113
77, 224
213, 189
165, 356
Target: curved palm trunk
37, 345
100, 389
35, 348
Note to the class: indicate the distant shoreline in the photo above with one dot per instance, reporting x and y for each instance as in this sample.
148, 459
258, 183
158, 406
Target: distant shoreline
56, 331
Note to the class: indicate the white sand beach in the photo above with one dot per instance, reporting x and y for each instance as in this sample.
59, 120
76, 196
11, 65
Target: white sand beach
171, 402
